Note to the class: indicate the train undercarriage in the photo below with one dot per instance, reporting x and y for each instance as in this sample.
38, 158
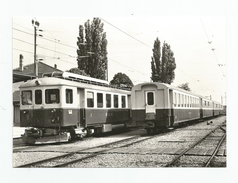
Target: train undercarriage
64, 134
53, 135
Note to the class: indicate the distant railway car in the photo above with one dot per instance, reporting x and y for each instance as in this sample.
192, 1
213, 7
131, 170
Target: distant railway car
217, 108
207, 108
63, 108
157, 106
223, 110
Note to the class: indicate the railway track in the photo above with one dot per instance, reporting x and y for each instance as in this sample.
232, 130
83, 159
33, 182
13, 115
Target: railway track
25, 147
87, 153
70, 158
158, 151
177, 162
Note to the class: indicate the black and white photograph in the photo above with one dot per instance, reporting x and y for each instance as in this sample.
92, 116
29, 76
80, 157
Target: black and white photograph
109, 91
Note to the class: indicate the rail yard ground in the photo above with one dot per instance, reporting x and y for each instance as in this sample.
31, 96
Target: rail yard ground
143, 151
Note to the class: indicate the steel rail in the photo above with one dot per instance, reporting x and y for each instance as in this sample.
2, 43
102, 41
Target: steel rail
215, 151
72, 153
192, 146
99, 153
223, 129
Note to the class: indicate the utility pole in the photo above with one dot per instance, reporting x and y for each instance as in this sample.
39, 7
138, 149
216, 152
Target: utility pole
36, 24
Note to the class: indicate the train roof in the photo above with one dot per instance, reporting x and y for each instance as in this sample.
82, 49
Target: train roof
164, 85
53, 81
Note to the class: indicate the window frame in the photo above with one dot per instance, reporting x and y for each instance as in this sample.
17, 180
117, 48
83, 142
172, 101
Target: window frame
123, 104
31, 97
92, 99
114, 103
101, 102
108, 101
49, 95
41, 97
71, 100
149, 99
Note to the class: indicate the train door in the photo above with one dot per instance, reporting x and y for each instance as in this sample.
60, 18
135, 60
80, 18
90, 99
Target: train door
171, 103
149, 102
200, 105
81, 107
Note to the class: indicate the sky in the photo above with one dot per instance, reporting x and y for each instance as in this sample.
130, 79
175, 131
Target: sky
198, 43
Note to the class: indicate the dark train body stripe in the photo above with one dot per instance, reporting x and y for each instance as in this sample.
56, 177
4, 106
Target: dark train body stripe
165, 117
181, 115
207, 113
41, 118
162, 117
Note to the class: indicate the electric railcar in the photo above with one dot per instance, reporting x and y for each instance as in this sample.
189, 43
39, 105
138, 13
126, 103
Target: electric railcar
63, 106
156, 106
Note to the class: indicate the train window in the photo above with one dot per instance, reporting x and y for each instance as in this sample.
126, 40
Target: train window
179, 100
123, 101
90, 99
108, 100
182, 101
99, 100
52, 96
38, 97
175, 99
115, 101
26, 97
150, 98
69, 96
185, 102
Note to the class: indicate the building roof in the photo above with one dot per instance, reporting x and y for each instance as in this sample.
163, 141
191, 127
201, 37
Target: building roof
28, 72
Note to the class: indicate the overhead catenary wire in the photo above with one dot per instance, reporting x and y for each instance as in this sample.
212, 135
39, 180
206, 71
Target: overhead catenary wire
76, 56
52, 40
22, 41
126, 33
147, 46
76, 48
58, 41
42, 55
45, 48
127, 66
212, 48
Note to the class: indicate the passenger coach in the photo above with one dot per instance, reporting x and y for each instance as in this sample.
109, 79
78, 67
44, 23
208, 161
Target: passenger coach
157, 106
60, 109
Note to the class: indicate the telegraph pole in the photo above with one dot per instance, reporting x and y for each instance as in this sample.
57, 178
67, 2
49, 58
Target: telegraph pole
36, 24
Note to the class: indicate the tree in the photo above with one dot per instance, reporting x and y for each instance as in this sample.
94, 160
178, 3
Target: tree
121, 80
185, 86
92, 49
162, 67
77, 71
